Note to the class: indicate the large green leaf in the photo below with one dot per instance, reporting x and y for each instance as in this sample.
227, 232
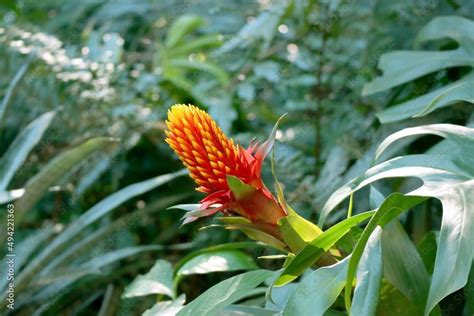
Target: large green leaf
318, 291
369, 276
455, 27
447, 176
393, 206
461, 92
55, 170
217, 261
225, 293
403, 66
403, 266
159, 280
21, 147
425, 104
316, 248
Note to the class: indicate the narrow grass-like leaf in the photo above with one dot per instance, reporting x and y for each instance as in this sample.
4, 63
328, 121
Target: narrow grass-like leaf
13, 86
55, 170
21, 147
93, 214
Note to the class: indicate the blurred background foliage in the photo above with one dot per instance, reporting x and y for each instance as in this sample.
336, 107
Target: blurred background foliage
113, 68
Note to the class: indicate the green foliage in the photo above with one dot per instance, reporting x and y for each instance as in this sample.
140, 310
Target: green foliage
84, 93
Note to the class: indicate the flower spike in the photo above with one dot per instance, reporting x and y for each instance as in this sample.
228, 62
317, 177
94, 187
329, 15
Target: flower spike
212, 159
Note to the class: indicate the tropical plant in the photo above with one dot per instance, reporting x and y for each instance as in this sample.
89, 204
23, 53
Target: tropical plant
359, 202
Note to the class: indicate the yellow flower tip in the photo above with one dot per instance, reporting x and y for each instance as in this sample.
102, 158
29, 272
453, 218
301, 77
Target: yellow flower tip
199, 142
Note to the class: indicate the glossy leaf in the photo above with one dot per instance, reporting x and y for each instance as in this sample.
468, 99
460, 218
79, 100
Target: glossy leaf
315, 294
447, 177
435, 99
225, 293
369, 276
166, 308
403, 266
159, 280
316, 248
297, 231
217, 261
393, 206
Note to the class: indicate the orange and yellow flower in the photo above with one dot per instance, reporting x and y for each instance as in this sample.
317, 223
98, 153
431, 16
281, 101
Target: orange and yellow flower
211, 157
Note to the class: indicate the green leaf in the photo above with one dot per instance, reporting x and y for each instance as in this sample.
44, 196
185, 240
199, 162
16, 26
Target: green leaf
128, 220
403, 66
297, 232
460, 92
55, 170
261, 30
182, 26
243, 310
393, 206
454, 27
434, 100
208, 67
315, 294
369, 276
316, 248
447, 177
21, 147
427, 249
217, 261
225, 293
95, 265
393, 303
92, 215
159, 280
166, 308
403, 266
13, 85
206, 41
252, 230
25, 249
217, 248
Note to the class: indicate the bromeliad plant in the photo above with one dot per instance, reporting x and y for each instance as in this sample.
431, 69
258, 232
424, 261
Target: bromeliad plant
230, 176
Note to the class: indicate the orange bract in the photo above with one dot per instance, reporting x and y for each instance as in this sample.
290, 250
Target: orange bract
204, 149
